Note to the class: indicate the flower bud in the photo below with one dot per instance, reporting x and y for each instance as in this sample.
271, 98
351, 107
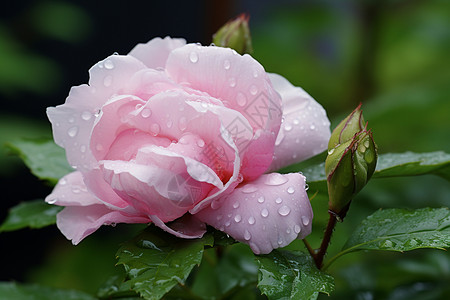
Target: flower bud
235, 35
350, 163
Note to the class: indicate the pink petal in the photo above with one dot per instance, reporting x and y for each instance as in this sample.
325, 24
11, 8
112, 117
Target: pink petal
267, 213
154, 53
239, 81
187, 227
77, 222
71, 191
306, 129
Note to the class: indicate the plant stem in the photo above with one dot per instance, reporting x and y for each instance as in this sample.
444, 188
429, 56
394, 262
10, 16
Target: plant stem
319, 256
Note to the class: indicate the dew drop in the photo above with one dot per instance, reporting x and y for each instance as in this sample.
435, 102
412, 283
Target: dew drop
251, 220
331, 151
288, 127
312, 127
109, 64
72, 132
278, 200
297, 228
226, 64
86, 115
241, 99
280, 240
83, 148
200, 143
284, 210
227, 223
253, 89
76, 190
237, 218
219, 217
275, 179
182, 123
261, 199
236, 205
288, 231
232, 81
71, 120
107, 81
247, 235
264, 213
366, 143
249, 188
255, 73
290, 190
305, 220
169, 123
62, 181
296, 122
193, 57
306, 187
146, 112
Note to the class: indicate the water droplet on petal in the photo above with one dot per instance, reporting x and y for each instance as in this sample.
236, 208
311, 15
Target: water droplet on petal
86, 115
275, 179
249, 188
261, 199
155, 128
83, 148
169, 123
109, 64
200, 143
99, 147
264, 213
297, 228
287, 127
290, 190
146, 112
306, 187
219, 217
182, 123
278, 200
255, 73
107, 81
76, 190
232, 81
247, 235
253, 89
280, 240
52, 201
296, 121
228, 223
237, 218
284, 210
251, 220
236, 205
71, 119
288, 231
72, 132
305, 220
226, 64
312, 127
193, 57
62, 181
241, 99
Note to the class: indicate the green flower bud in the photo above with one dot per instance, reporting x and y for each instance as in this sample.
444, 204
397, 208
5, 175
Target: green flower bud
350, 163
235, 35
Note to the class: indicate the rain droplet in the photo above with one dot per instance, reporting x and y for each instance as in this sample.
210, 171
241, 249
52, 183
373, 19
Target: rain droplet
83, 148
284, 210
71, 119
331, 151
108, 80
305, 220
251, 220
200, 143
237, 218
278, 200
62, 181
312, 127
280, 240
288, 231
232, 81
290, 190
296, 121
261, 199
226, 64
255, 73
109, 64
236, 205
241, 99
193, 57
287, 127
52, 201
72, 132
228, 223
76, 190
182, 123
297, 228
249, 188
219, 217
169, 123
264, 213
146, 112
253, 89
247, 235
275, 179
86, 115
306, 187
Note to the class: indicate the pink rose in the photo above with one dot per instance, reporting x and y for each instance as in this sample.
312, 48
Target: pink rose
182, 135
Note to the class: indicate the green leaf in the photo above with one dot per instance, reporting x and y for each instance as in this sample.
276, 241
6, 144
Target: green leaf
16, 291
45, 159
32, 214
156, 261
392, 165
400, 230
291, 275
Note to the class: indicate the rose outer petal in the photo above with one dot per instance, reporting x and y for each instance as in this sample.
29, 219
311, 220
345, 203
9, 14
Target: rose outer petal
306, 129
266, 214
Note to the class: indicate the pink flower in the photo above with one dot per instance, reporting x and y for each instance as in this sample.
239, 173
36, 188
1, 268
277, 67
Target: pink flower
182, 135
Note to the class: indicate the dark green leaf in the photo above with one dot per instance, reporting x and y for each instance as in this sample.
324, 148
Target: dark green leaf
390, 165
33, 214
402, 230
291, 275
16, 291
45, 159
156, 261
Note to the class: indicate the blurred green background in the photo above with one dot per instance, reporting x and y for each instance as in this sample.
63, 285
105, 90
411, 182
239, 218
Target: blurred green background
393, 56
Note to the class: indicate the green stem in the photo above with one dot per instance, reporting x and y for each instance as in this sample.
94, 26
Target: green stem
319, 256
